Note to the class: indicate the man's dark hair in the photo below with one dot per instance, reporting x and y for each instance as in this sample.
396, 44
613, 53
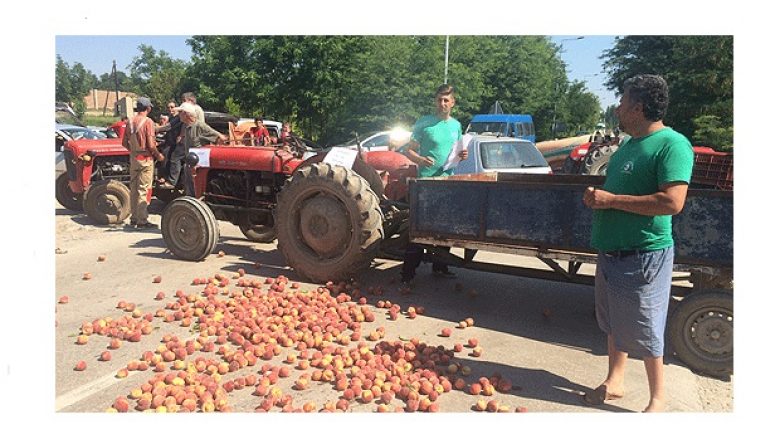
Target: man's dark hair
651, 91
445, 89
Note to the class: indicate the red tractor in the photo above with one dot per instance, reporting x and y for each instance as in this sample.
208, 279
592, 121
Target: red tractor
711, 169
329, 220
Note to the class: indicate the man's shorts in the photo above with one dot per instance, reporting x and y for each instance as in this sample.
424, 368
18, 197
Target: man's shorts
632, 299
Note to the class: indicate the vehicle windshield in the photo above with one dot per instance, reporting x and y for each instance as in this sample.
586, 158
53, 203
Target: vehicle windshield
64, 117
83, 133
486, 127
507, 155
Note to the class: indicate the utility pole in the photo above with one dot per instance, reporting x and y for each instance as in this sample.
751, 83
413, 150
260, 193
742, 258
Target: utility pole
446, 56
116, 89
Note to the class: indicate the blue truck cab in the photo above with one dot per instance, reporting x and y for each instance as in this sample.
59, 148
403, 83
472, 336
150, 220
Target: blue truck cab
507, 125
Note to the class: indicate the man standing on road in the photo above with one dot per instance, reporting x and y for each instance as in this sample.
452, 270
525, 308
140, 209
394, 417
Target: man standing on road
432, 140
647, 182
139, 139
195, 134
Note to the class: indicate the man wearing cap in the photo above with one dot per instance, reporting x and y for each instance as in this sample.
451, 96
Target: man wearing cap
139, 139
195, 133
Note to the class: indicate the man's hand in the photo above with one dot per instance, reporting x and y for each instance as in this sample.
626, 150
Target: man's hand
597, 198
160, 157
425, 161
222, 139
463, 154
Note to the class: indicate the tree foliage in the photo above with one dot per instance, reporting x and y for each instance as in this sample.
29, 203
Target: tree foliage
157, 76
709, 130
698, 69
331, 86
71, 84
106, 81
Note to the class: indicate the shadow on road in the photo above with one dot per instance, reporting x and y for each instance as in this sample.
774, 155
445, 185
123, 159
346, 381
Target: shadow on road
537, 384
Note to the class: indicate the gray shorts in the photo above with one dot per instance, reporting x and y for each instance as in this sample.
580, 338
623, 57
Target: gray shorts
632, 300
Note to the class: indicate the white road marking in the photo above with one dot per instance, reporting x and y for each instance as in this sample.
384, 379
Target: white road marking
85, 391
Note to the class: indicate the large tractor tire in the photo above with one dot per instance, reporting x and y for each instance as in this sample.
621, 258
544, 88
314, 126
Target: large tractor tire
328, 222
107, 202
66, 197
597, 161
701, 332
189, 228
257, 227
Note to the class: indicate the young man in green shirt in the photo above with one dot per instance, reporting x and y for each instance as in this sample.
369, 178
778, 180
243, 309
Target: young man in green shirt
432, 140
647, 182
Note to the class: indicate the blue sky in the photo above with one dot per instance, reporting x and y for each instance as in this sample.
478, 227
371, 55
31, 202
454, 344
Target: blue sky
96, 53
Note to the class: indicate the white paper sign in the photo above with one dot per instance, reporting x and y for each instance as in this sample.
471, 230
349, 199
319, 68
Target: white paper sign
460, 145
341, 156
203, 156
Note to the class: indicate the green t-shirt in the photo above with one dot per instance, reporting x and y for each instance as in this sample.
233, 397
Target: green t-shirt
436, 138
640, 167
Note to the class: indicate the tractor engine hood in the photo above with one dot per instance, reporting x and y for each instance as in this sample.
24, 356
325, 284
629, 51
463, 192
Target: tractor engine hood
247, 158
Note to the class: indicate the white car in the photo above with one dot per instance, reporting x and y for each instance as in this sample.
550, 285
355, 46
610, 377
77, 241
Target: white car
502, 154
63, 133
382, 141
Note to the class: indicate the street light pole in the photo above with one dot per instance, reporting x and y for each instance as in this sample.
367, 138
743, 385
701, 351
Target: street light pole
555, 105
446, 56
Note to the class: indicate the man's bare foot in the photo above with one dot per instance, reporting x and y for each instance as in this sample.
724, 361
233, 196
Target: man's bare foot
614, 390
655, 406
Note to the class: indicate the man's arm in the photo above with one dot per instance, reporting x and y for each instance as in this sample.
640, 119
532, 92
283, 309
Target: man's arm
151, 141
415, 157
210, 134
669, 200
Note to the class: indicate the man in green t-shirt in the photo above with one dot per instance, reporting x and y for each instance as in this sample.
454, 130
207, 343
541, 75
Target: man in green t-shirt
647, 182
432, 140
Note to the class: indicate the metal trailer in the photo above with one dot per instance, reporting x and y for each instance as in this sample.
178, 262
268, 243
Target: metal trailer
543, 216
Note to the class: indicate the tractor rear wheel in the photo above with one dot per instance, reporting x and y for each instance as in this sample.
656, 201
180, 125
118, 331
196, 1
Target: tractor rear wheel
189, 228
329, 223
597, 161
107, 202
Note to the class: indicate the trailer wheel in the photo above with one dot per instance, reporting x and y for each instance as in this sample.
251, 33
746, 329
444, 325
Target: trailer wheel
329, 224
107, 202
189, 228
67, 197
597, 161
701, 332
257, 227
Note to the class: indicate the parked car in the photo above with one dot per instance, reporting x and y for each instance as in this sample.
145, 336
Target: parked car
395, 140
65, 132
108, 132
502, 154
510, 125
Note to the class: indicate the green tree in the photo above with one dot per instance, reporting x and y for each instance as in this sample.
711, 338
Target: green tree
698, 69
72, 84
157, 76
331, 86
106, 81
583, 108
709, 131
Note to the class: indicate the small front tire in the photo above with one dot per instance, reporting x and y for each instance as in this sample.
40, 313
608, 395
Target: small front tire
189, 228
67, 197
107, 202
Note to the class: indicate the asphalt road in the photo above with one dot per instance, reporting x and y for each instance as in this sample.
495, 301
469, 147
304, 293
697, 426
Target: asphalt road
541, 335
